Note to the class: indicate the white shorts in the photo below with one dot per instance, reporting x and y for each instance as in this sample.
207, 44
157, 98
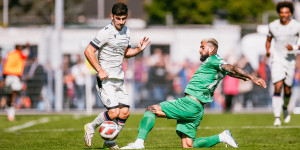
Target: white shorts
13, 83
112, 93
283, 70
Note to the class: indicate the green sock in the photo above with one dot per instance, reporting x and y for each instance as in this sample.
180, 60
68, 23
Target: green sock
204, 142
146, 125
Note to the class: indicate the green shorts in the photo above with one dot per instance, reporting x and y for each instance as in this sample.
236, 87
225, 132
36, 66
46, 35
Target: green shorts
188, 113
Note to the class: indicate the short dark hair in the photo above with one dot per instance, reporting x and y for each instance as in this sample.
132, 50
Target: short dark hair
287, 4
119, 9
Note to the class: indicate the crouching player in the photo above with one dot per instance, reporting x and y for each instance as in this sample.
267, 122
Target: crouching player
188, 110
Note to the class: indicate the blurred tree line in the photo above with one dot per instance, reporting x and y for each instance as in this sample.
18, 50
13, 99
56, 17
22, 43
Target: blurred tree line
22, 12
32, 12
205, 11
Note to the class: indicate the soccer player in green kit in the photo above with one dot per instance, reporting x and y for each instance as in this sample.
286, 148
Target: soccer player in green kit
188, 110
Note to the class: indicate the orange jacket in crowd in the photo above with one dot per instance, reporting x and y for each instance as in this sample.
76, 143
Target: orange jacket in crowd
14, 63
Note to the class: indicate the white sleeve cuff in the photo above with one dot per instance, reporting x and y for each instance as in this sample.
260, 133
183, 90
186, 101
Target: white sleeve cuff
295, 47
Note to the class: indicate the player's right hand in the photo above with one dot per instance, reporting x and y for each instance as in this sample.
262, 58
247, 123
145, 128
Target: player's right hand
102, 75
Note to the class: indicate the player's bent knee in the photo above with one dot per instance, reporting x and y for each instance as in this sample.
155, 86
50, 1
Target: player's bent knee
113, 113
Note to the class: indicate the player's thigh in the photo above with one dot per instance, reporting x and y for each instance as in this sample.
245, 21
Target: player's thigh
13, 83
277, 71
290, 71
156, 109
122, 94
184, 109
107, 94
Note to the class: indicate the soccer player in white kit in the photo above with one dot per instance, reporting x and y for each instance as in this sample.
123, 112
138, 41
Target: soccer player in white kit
113, 44
285, 31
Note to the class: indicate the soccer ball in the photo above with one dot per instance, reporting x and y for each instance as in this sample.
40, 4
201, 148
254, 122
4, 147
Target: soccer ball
108, 130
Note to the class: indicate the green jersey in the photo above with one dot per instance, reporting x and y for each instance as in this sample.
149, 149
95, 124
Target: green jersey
206, 79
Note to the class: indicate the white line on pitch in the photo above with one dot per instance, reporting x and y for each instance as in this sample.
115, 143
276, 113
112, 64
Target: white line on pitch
27, 125
168, 128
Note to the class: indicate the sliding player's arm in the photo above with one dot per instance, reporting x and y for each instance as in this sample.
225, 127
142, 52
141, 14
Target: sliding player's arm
237, 72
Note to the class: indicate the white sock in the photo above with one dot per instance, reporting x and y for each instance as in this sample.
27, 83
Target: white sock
277, 103
139, 141
98, 120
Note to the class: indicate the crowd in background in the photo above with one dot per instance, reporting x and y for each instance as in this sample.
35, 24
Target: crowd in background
155, 78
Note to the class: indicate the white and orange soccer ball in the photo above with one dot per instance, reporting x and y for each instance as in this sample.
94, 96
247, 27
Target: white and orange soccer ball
108, 130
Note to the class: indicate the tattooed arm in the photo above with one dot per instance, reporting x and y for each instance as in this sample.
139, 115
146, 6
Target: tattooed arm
239, 73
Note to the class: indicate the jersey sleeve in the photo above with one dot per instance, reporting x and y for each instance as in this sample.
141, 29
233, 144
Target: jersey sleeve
100, 39
270, 34
217, 61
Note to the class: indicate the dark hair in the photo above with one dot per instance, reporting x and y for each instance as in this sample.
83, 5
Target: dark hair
119, 9
287, 4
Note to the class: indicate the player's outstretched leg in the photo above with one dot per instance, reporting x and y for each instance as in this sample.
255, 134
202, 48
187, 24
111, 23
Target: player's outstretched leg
146, 125
89, 133
226, 137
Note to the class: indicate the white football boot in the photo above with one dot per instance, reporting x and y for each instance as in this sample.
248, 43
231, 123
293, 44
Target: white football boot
286, 116
277, 122
110, 145
89, 133
226, 137
134, 145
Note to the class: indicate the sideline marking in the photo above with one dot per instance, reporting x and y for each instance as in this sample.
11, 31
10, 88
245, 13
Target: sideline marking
169, 128
27, 125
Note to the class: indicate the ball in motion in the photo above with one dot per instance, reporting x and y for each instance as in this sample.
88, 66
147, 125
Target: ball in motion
108, 130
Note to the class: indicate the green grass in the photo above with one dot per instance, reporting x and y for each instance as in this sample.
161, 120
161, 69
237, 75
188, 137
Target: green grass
251, 131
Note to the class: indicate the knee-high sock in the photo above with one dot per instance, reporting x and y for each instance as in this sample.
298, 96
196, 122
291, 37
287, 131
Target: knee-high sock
100, 119
286, 99
121, 123
277, 105
204, 142
146, 125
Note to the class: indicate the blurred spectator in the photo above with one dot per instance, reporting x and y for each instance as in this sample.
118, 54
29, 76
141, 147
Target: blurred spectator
79, 72
68, 83
295, 98
158, 76
230, 89
2, 93
35, 80
13, 70
140, 78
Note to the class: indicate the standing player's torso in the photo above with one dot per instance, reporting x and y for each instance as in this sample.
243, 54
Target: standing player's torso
112, 53
283, 35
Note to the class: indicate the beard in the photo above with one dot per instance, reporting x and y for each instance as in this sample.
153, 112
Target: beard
204, 57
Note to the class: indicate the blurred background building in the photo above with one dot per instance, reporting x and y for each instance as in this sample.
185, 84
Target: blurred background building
59, 30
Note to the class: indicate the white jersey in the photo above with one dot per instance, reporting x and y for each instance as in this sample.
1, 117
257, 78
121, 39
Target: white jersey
283, 35
112, 44
283, 62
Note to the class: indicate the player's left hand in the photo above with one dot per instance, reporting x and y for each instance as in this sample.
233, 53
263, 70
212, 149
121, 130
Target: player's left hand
143, 43
259, 82
289, 47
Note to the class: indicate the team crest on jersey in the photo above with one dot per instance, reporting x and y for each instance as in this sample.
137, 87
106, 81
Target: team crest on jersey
108, 102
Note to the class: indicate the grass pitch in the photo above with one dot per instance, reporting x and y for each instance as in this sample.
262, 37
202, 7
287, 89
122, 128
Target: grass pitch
251, 131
